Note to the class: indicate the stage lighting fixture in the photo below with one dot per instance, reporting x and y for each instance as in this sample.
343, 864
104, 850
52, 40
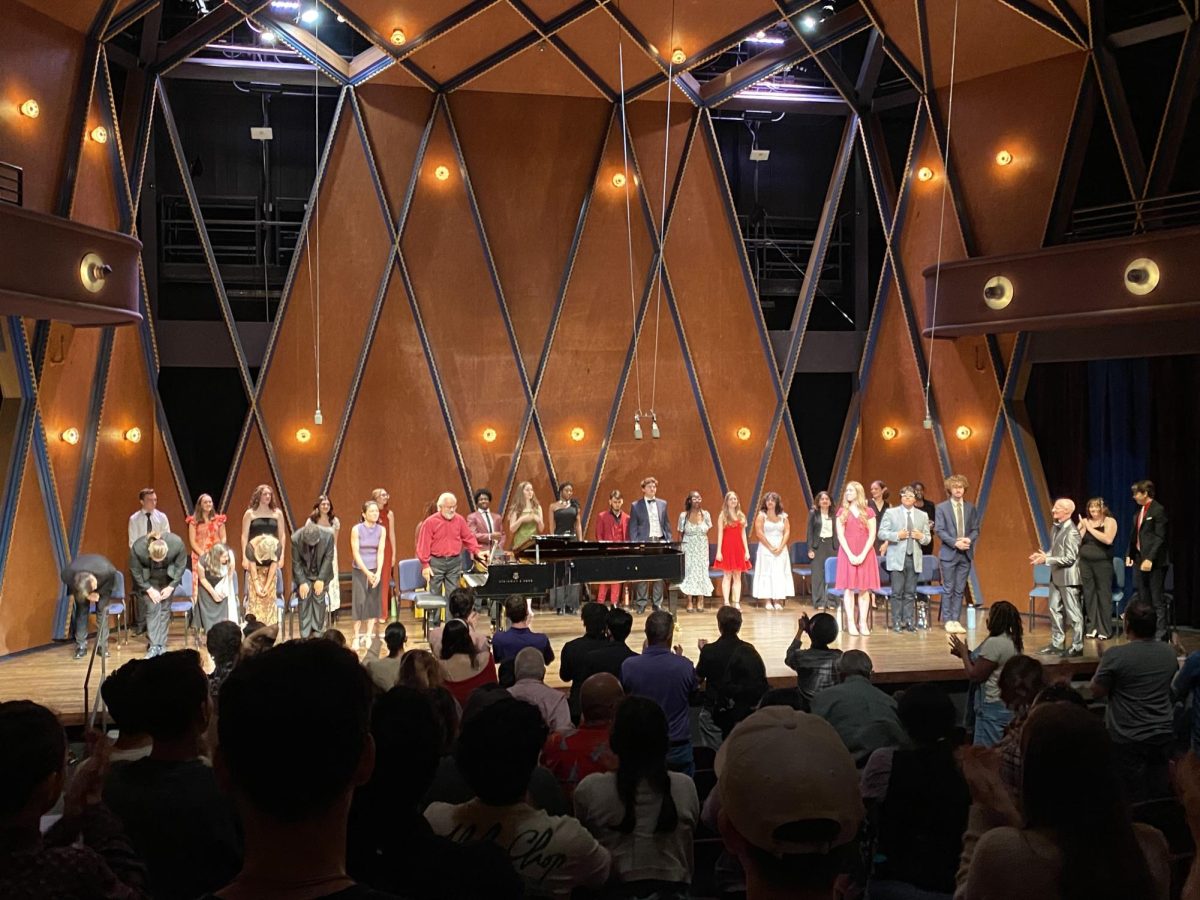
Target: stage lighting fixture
1003, 158
654, 432
743, 433
924, 173
31, 109
889, 433
489, 434
618, 179
100, 134
678, 56
962, 432
304, 435
71, 436
808, 23
637, 428
441, 173
998, 292
398, 36
310, 15
341, 19
577, 434
1141, 276
268, 38
133, 435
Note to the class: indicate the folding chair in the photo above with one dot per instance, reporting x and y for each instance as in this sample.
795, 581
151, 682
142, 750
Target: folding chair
802, 565
1041, 589
927, 591
182, 604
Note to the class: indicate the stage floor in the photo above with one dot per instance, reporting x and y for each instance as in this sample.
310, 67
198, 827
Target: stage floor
50, 676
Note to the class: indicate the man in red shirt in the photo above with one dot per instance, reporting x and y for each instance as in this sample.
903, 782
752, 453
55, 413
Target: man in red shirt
440, 543
572, 756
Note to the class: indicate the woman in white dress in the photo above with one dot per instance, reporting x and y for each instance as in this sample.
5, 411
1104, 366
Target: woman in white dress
773, 562
694, 526
323, 515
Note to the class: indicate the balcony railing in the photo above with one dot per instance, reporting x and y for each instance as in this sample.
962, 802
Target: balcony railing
1134, 217
239, 233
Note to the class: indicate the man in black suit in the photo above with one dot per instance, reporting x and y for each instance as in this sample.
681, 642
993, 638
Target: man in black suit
1148, 553
312, 571
90, 578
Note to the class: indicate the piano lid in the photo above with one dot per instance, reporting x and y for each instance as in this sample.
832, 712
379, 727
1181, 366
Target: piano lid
555, 546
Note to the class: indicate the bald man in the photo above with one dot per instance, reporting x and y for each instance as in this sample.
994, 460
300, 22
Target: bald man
440, 543
1063, 560
573, 755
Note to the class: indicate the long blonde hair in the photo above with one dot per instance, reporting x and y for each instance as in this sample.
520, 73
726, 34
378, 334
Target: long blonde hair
738, 515
517, 505
860, 501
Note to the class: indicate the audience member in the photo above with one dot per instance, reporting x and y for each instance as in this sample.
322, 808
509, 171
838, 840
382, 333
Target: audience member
669, 679
816, 667
384, 670
1136, 677
419, 669
1021, 680
862, 715
790, 808
572, 755
919, 800
84, 854
1186, 686
252, 625
334, 636
644, 815
464, 666
609, 658
127, 709
497, 752
1064, 843
530, 671
293, 777
389, 844
519, 635
574, 652
179, 821
446, 709
460, 606
731, 687
983, 665
789, 697
258, 640
224, 644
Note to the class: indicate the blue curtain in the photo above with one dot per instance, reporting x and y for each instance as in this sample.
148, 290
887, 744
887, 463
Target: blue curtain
1117, 454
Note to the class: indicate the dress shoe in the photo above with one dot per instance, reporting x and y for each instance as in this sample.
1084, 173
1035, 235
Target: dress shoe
80, 652
1073, 653
910, 628
954, 627
103, 651
1051, 650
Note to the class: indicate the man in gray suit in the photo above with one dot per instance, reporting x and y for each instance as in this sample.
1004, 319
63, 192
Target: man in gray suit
906, 530
157, 563
648, 522
1063, 560
312, 570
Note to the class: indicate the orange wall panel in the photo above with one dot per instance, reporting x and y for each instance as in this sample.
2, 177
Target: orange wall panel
395, 119
31, 584
64, 397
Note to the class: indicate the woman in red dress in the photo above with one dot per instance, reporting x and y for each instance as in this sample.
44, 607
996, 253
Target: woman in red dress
388, 520
612, 525
205, 530
857, 562
733, 553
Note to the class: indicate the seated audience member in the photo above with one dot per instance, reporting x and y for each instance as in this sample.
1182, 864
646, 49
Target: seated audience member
816, 667
861, 713
261, 639
919, 800
1063, 843
641, 813
1185, 686
497, 753
389, 844
1021, 680
464, 666
1135, 678
575, 652
609, 658
419, 669
384, 670
792, 822
252, 625
224, 644
530, 671
669, 679
293, 777
85, 854
571, 755
732, 687
460, 606
334, 636
519, 635
177, 818
127, 709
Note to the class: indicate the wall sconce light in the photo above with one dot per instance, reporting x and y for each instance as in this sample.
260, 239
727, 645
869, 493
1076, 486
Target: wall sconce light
133, 435
678, 56
489, 434
398, 36
889, 433
962, 432
743, 433
618, 179
31, 109
1003, 158
304, 435
998, 292
71, 436
100, 134
1141, 276
577, 434
924, 173
441, 173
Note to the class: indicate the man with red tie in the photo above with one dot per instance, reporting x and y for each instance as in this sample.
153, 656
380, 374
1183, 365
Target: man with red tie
440, 543
612, 525
1148, 553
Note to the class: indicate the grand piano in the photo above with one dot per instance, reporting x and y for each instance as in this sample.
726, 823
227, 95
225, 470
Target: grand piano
551, 561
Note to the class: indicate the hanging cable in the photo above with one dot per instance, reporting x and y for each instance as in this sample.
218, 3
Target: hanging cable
662, 222
937, 272
317, 418
637, 367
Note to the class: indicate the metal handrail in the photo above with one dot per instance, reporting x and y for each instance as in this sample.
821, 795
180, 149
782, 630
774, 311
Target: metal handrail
1135, 216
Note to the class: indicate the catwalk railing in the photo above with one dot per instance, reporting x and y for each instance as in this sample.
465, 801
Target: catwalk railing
1135, 217
240, 234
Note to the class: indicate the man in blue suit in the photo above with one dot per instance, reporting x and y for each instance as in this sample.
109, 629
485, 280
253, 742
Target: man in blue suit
648, 522
906, 530
957, 525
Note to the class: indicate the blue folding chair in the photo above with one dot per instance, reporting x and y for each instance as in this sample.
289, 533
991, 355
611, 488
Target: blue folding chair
802, 565
116, 608
1041, 590
834, 592
286, 607
1118, 594
927, 591
885, 591
182, 605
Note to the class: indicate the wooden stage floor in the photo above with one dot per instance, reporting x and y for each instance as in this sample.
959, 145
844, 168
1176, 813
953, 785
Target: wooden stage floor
50, 676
